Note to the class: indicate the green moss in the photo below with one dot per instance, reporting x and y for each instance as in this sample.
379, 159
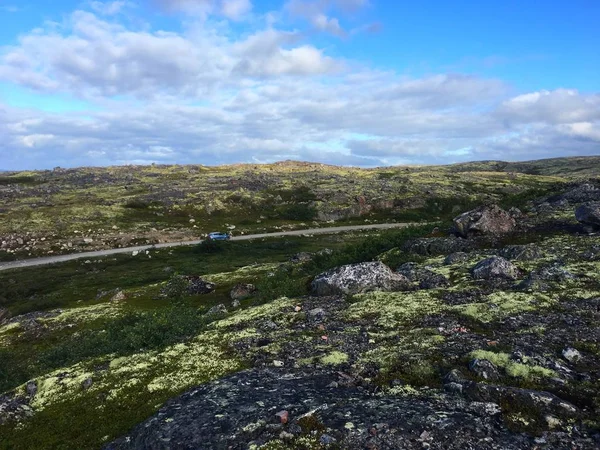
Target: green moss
502, 304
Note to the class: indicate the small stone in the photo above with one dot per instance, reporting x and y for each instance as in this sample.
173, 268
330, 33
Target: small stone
278, 363
326, 439
298, 308
325, 338
552, 422
283, 416
235, 304
484, 369
118, 297
217, 310
571, 355
87, 383
31, 388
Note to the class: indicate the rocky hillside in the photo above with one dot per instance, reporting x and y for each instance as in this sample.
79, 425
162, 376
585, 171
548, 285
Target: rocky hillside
69, 210
479, 334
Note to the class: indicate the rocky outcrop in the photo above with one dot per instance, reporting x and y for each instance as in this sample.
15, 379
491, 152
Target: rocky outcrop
437, 246
521, 252
256, 407
427, 279
358, 278
242, 291
485, 220
589, 214
494, 268
585, 192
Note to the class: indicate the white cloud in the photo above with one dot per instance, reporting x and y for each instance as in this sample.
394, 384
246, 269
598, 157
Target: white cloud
212, 96
235, 9
108, 8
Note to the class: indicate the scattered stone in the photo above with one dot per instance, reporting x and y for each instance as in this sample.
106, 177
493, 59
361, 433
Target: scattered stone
589, 214
283, 416
242, 291
217, 310
521, 252
119, 296
31, 388
572, 355
278, 363
484, 369
358, 278
426, 278
456, 257
326, 439
437, 246
235, 304
495, 267
485, 220
86, 384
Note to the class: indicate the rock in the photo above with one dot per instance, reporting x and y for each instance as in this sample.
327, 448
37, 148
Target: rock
589, 214
283, 416
197, 285
326, 439
583, 193
217, 310
118, 297
235, 304
456, 257
485, 220
242, 291
571, 355
426, 278
86, 384
521, 252
437, 246
484, 369
358, 278
278, 363
301, 257
494, 268
4, 315
538, 280
31, 388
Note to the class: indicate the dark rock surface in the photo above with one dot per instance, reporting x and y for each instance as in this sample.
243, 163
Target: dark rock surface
427, 279
438, 246
242, 291
358, 278
589, 214
246, 408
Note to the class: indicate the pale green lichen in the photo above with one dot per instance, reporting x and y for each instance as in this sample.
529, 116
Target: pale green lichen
241, 274
512, 368
392, 309
499, 305
334, 358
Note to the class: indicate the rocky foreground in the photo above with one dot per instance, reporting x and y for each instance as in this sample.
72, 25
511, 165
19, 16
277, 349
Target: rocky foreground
483, 336
474, 347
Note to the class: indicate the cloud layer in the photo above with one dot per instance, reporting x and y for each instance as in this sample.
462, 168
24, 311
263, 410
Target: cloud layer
213, 94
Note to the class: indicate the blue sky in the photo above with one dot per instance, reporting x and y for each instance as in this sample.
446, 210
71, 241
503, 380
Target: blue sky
359, 82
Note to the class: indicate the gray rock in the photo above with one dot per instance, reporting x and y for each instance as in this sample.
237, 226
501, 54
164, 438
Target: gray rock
426, 278
31, 388
485, 220
494, 268
484, 369
589, 214
217, 310
521, 252
456, 257
119, 296
242, 291
87, 383
571, 355
583, 193
358, 278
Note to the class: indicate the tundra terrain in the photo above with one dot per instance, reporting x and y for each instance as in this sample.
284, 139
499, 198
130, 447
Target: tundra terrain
477, 328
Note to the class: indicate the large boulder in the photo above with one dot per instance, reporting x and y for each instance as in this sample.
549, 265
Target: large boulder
358, 278
585, 192
495, 268
589, 214
485, 220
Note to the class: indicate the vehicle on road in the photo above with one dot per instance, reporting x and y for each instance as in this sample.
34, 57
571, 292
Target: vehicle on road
218, 236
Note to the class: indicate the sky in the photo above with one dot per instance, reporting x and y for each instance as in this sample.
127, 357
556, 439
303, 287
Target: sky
347, 82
